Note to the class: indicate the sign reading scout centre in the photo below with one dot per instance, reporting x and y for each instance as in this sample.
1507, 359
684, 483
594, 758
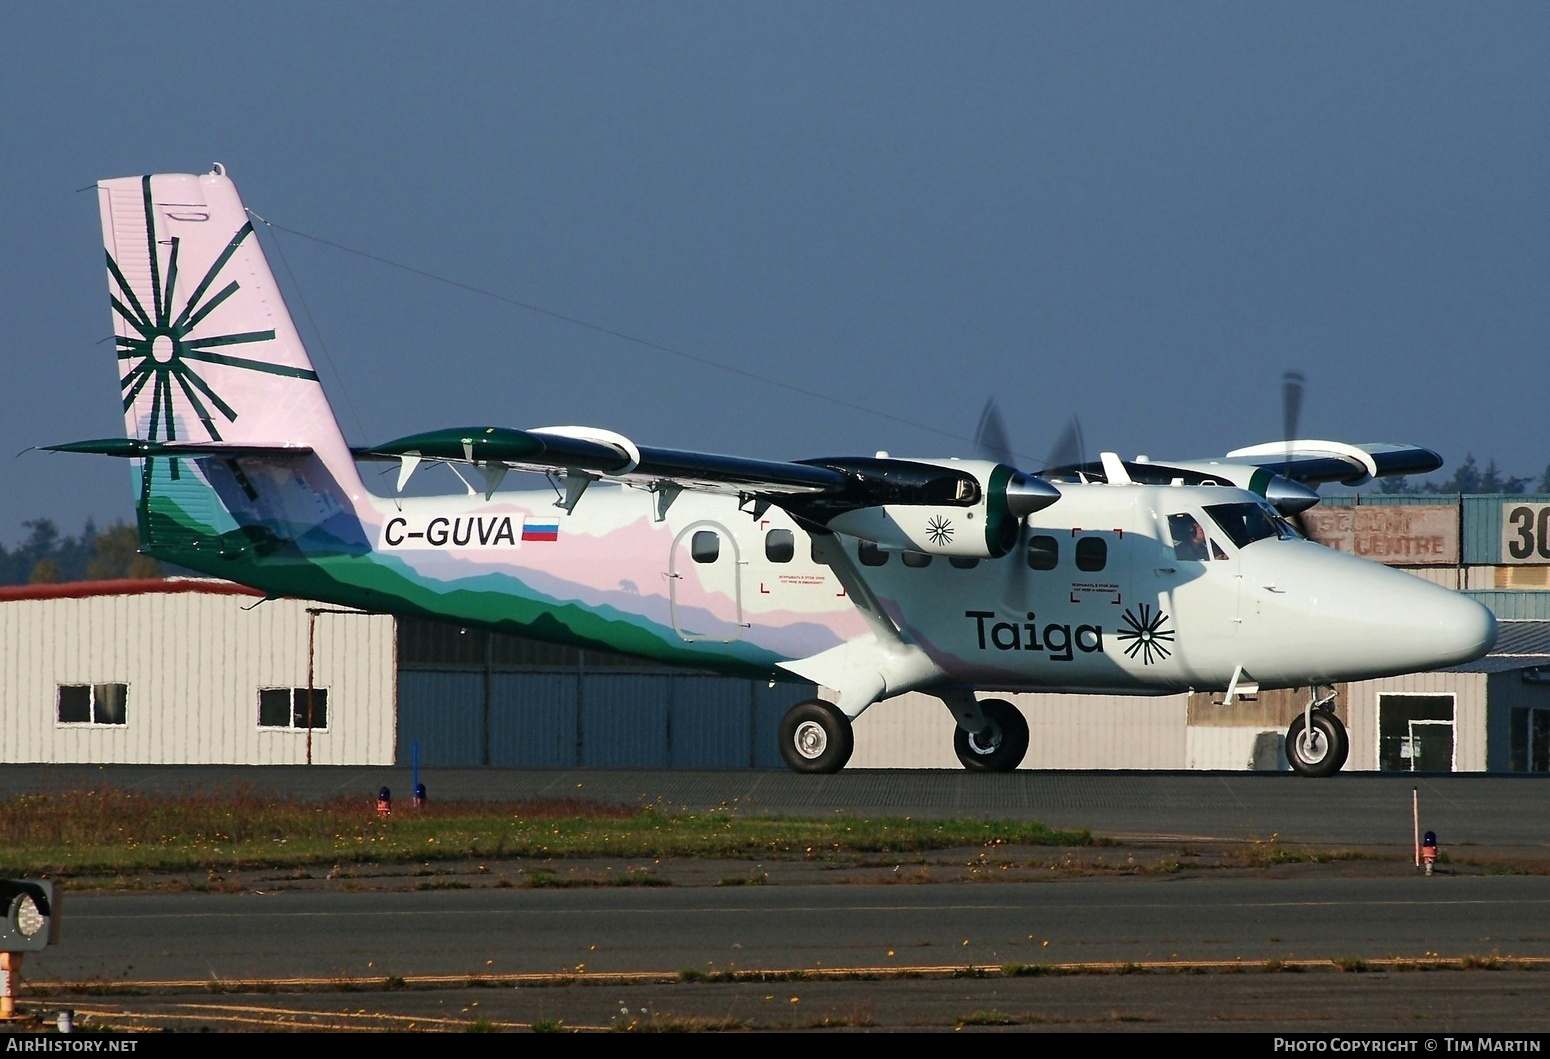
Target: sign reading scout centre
1397, 534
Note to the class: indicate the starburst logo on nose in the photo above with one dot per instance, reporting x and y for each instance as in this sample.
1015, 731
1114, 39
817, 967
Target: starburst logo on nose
940, 529
1145, 635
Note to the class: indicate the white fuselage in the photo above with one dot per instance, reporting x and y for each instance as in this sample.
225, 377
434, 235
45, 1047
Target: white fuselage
1098, 594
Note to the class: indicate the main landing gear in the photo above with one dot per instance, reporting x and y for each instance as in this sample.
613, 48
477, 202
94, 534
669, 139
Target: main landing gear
1000, 745
1316, 741
815, 737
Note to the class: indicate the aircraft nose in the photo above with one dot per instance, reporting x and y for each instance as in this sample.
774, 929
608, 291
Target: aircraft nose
1467, 631
1442, 628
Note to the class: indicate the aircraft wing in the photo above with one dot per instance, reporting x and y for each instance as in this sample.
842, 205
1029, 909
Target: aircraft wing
604, 454
1284, 473
816, 490
1318, 462
1308, 463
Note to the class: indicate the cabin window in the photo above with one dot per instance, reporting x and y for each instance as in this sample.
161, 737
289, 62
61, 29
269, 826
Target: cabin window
293, 708
1092, 554
917, 559
92, 703
1043, 553
705, 546
870, 554
963, 562
779, 545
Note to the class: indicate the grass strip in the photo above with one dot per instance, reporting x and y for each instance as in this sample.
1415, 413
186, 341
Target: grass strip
111, 831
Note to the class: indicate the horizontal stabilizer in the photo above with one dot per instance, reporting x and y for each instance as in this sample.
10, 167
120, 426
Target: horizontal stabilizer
139, 448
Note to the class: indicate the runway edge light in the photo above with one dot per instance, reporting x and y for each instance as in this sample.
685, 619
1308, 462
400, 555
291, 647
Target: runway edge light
30, 911
31, 915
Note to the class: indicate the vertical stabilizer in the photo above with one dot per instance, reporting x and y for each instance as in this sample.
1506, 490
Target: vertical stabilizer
206, 349
208, 357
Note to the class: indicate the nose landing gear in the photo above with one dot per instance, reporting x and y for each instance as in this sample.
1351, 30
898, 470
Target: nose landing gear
1316, 741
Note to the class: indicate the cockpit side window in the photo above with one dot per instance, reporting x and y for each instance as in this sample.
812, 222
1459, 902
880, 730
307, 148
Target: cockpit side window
1189, 539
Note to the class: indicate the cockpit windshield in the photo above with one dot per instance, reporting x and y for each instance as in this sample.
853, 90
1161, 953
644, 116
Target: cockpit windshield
1243, 524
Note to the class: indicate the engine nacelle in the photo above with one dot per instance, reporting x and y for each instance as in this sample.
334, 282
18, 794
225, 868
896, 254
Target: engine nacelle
967, 508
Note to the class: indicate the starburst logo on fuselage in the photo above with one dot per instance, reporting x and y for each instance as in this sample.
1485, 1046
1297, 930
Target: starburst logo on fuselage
1145, 634
940, 529
165, 348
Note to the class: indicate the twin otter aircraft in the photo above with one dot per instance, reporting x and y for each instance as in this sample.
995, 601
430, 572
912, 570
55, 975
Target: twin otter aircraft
869, 576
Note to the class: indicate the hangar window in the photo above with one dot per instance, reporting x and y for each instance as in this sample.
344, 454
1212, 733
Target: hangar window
779, 545
963, 562
1415, 733
917, 559
92, 703
1092, 554
1529, 742
290, 707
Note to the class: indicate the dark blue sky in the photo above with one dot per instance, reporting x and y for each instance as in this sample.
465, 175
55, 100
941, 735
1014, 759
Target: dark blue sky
1140, 214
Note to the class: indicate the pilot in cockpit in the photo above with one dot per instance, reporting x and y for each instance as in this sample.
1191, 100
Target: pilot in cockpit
1189, 539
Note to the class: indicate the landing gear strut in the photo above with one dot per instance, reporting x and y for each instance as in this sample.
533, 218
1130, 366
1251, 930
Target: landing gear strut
1316, 741
816, 737
1000, 745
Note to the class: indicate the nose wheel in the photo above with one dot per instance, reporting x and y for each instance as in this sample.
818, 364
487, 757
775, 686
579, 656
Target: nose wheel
815, 737
1317, 743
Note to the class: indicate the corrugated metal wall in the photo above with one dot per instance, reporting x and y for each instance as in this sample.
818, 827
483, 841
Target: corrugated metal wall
591, 718
1482, 541
1469, 715
1064, 732
193, 663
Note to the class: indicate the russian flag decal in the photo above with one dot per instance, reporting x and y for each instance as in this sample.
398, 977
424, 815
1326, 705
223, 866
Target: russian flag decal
540, 529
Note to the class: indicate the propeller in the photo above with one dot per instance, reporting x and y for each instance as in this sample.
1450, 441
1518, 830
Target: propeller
1069, 450
1291, 412
991, 441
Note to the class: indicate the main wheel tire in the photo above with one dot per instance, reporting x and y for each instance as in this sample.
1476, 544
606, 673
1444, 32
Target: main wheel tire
1000, 746
1325, 749
815, 737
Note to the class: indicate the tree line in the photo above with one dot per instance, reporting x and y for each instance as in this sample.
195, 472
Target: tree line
48, 557
1469, 478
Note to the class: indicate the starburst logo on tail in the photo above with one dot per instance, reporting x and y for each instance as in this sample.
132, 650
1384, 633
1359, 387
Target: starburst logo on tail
166, 348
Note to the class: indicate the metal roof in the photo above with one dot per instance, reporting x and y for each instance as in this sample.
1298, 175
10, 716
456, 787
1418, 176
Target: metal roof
126, 587
1519, 645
